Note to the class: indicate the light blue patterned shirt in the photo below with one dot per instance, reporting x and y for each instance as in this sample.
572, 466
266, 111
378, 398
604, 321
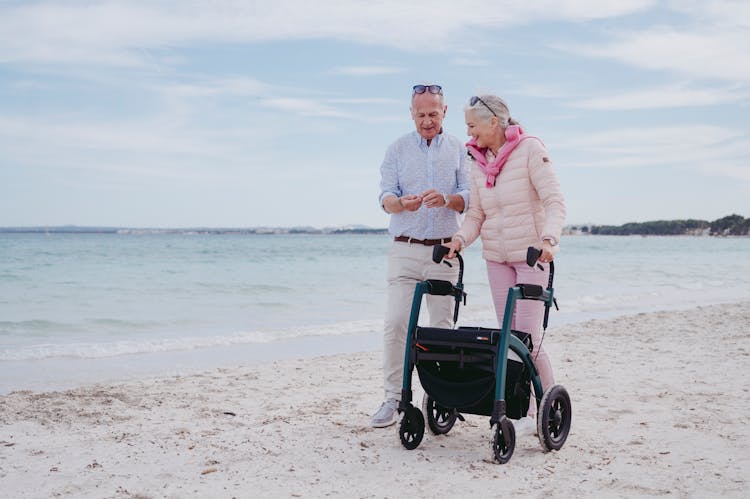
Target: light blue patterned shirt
412, 167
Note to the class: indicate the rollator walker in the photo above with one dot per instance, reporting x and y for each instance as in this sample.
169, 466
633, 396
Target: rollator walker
476, 370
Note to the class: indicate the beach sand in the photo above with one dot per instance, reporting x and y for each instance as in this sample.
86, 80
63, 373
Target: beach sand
660, 402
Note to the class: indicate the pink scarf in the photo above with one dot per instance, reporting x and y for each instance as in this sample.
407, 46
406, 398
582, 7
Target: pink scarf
513, 136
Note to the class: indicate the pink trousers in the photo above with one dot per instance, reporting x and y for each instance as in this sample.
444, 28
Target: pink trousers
529, 313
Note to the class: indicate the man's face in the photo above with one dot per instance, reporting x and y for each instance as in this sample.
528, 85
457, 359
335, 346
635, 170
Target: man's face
428, 114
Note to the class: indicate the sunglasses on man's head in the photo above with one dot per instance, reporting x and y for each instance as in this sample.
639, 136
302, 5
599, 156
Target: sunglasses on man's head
433, 89
473, 102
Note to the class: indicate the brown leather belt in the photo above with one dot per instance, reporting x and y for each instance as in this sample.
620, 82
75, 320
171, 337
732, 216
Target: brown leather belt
426, 242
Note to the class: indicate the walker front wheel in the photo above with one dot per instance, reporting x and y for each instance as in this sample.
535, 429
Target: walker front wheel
411, 429
554, 418
503, 444
440, 419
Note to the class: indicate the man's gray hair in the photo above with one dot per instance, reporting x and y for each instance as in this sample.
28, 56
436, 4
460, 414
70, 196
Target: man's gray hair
492, 104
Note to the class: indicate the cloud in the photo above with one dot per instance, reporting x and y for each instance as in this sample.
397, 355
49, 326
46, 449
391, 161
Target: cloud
305, 107
703, 147
366, 100
240, 86
740, 172
155, 147
701, 39
143, 33
663, 97
671, 139
545, 91
723, 13
142, 136
471, 62
366, 70
331, 107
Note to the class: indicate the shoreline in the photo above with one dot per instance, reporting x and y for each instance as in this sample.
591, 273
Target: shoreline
650, 418
66, 373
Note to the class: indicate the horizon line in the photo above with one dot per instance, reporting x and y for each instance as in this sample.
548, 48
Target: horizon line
293, 227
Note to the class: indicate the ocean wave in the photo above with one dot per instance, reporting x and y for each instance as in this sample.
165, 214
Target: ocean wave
31, 326
95, 350
35, 327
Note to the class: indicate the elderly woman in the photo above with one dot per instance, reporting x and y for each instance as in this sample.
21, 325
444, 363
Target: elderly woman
515, 203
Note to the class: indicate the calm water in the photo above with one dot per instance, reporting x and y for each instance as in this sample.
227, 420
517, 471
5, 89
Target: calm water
79, 307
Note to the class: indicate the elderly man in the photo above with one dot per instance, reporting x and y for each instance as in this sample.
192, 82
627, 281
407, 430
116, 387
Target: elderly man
424, 186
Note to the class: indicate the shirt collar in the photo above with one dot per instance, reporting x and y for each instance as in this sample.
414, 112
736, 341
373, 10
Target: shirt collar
422, 142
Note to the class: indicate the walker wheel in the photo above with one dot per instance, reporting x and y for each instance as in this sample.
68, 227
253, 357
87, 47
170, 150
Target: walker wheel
503, 445
440, 419
554, 418
411, 429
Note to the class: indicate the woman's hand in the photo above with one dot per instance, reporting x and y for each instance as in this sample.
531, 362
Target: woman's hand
455, 246
548, 254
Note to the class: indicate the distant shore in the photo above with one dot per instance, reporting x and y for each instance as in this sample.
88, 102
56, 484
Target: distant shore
73, 229
732, 225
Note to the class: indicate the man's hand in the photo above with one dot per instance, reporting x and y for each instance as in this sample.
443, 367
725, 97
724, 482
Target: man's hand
433, 199
411, 202
408, 202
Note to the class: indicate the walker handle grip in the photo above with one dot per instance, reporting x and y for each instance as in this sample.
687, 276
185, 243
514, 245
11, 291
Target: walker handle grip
438, 252
532, 255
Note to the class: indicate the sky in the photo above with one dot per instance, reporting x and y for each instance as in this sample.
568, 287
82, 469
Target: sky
256, 113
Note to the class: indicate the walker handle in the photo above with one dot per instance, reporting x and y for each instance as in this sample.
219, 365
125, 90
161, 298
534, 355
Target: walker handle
532, 255
438, 254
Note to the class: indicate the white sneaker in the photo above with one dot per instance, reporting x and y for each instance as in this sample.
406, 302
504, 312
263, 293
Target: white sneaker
525, 426
386, 415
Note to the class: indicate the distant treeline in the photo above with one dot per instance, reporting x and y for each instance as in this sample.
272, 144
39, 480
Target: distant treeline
732, 225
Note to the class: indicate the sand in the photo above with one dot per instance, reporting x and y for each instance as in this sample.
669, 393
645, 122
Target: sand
660, 401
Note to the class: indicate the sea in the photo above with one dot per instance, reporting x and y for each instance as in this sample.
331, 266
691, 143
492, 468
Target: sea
85, 308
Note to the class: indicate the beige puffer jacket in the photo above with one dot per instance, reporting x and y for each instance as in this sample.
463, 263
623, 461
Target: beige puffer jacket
524, 207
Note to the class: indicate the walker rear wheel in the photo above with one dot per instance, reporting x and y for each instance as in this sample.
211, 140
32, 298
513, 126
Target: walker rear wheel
503, 445
440, 419
411, 429
554, 418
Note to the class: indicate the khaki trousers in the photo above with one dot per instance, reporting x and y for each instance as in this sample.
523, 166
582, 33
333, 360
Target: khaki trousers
409, 264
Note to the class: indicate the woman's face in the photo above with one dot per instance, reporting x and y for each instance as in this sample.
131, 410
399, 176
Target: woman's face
485, 131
